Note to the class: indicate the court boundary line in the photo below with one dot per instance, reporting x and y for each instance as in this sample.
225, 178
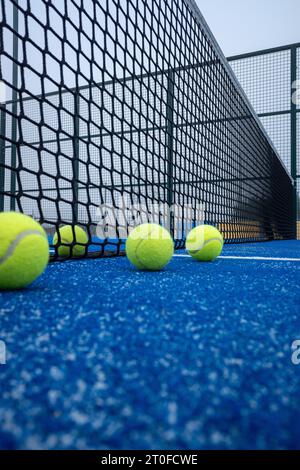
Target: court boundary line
249, 258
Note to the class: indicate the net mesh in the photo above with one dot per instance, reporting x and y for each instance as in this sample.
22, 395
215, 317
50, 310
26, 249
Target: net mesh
124, 111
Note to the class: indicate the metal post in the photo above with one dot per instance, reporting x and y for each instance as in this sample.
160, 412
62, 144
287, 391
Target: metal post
2, 154
294, 134
14, 107
170, 144
76, 156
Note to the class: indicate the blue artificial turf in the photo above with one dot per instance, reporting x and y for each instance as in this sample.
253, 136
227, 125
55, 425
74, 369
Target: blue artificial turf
198, 356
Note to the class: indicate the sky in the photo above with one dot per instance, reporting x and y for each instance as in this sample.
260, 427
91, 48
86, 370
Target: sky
248, 25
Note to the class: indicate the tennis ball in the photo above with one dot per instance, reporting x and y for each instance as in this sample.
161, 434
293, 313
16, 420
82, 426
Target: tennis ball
24, 250
204, 243
71, 241
149, 247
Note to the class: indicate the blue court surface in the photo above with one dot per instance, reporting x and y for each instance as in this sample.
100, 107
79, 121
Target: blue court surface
199, 356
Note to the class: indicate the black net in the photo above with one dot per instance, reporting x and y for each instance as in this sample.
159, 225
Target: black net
118, 112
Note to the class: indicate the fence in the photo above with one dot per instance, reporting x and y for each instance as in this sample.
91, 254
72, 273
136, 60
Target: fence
271, 80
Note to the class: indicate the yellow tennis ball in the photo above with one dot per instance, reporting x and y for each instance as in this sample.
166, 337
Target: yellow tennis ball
205, 243
24, 250
71, 241
150, 247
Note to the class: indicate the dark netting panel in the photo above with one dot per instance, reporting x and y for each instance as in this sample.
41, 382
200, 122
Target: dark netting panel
298, 209
118, 112
298, 145
279, 130
298, 74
